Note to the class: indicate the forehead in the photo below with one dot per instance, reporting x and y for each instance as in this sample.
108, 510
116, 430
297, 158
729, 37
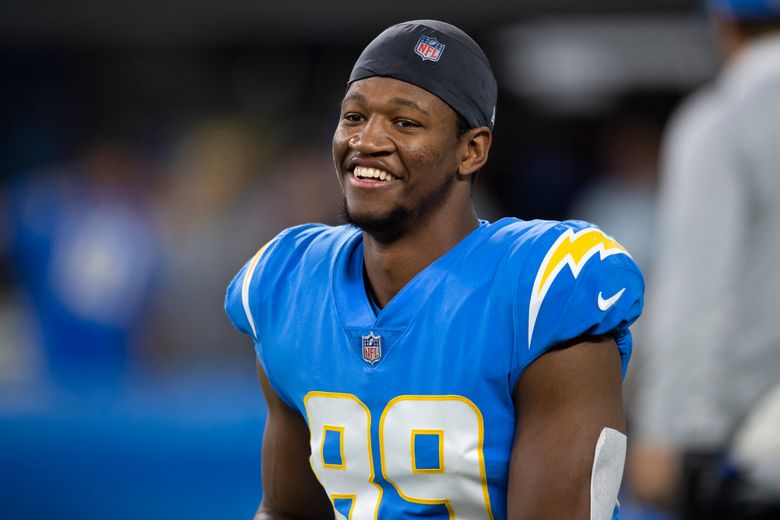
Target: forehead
381, 90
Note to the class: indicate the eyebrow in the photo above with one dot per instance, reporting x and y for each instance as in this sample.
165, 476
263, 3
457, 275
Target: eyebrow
354, 97
398, 101
407, 103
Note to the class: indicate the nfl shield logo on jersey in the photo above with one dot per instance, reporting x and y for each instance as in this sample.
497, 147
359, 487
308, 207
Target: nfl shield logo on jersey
429, 48
372, 348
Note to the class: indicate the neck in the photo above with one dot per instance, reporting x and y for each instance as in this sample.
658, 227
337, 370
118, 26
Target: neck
391, 265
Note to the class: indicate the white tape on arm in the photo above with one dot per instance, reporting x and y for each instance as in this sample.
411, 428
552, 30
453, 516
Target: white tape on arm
607, 473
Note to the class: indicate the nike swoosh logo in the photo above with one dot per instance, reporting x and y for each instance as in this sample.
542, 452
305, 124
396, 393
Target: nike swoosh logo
609, 302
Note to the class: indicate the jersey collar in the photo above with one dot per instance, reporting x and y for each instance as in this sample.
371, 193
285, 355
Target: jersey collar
349, 291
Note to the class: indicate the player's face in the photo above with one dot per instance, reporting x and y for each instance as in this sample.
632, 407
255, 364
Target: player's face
396, 154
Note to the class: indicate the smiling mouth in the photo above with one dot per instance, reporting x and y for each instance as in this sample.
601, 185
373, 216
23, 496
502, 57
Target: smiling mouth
372, 174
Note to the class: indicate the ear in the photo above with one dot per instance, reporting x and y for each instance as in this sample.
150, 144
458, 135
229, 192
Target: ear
474, 148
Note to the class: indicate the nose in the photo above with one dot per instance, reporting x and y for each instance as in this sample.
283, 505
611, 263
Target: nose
372, 138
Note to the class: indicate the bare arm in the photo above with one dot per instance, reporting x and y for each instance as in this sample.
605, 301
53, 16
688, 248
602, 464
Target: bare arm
563, 401
290, 489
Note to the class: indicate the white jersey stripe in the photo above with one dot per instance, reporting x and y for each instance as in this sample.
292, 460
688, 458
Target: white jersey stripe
245, 288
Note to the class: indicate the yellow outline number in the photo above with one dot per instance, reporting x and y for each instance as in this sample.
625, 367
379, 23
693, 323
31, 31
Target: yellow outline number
413, 450
455, 420
340, 431
346, 414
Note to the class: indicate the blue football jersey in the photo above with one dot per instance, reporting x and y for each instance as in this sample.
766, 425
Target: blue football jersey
410, 410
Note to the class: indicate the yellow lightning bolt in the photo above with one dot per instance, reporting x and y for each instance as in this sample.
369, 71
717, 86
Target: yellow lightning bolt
572, 249
580, 246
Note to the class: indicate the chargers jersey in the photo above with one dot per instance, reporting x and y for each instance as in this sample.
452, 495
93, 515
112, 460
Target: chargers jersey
410, 409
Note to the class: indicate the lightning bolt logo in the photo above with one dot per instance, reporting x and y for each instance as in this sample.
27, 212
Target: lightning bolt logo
572, 249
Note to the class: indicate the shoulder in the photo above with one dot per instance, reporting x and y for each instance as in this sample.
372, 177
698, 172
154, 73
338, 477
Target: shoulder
573, 243
514, 238
295, 249
530, 245
696, 113
693, 126
514, 234
308, 242
737, 109
574, 280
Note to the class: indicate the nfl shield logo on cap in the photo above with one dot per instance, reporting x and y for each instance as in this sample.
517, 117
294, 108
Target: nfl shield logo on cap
429, 48
372, 348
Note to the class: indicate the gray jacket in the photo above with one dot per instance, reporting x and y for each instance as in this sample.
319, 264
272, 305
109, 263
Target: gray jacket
714, 309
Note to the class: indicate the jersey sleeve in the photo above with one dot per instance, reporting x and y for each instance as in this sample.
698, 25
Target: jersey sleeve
237, 302
257, 291
577, 282
259, 279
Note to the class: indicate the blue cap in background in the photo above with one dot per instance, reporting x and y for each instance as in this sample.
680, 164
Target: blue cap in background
746, 9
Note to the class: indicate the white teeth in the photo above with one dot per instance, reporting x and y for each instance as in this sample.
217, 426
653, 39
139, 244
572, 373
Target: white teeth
372, 173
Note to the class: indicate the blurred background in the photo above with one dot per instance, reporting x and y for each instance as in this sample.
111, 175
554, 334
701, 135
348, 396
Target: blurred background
148, 149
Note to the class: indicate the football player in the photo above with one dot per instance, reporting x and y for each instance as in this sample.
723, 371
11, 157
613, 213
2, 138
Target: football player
420, 362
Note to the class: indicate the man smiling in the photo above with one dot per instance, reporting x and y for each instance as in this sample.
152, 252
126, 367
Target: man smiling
419, 362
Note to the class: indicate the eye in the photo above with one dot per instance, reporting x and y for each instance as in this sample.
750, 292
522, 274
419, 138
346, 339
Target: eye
407, 123
352, 117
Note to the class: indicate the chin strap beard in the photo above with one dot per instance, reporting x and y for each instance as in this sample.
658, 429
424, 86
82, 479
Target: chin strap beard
385, 228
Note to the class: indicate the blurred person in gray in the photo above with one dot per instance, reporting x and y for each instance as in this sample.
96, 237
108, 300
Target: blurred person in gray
703, 442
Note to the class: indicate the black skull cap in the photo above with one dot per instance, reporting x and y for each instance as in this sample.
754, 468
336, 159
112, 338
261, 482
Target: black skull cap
439, 58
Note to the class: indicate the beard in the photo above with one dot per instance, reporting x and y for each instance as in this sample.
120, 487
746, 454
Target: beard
390, 226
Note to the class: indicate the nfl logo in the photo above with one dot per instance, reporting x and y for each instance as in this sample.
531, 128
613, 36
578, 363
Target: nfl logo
429, 48
372, 348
